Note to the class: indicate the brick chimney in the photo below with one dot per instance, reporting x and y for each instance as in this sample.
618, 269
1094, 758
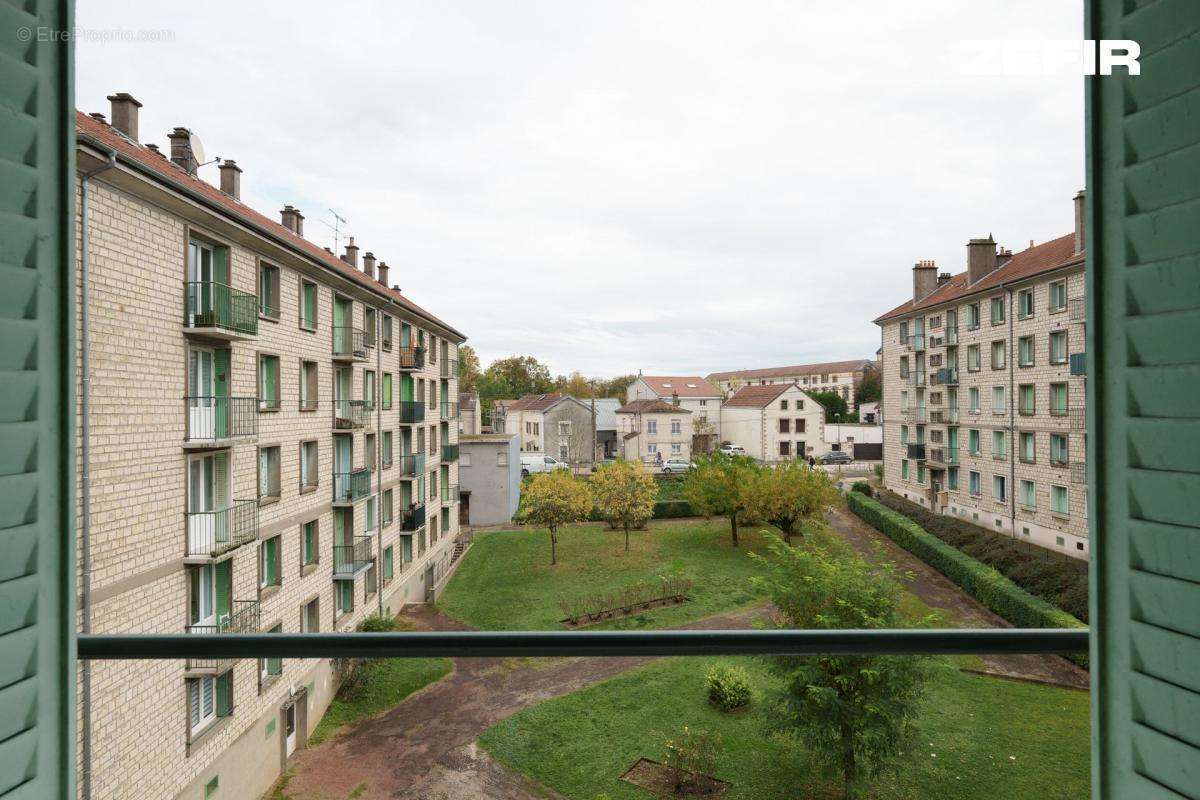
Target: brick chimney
125, 113
1003, 256
231, 178
981, 258
1080, 243
944, 278
369, 264
292, 219
351, 255
383, 273
96, 115
924, 280
181, 150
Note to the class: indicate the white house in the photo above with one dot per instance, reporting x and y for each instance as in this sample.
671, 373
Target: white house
774, 422
690, 392
653, 430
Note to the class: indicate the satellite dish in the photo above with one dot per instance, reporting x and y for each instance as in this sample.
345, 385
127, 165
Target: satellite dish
197, 148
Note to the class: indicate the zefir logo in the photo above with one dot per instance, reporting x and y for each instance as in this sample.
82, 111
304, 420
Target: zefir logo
1032, 57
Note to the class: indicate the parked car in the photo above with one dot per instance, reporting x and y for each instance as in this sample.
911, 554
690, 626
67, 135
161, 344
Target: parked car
732, 450
835, 457
676, 465
539, 462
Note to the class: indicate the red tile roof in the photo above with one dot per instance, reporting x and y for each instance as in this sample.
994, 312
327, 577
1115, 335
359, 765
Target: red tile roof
651, 406
682, 385
167, 170
759, 396
535, 402
797, 369
1032, 261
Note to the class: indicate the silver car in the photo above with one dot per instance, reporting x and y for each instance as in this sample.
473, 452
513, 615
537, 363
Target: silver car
676, 465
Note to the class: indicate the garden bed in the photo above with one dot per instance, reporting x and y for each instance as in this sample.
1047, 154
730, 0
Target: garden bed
621, 613
626, 601
656, 778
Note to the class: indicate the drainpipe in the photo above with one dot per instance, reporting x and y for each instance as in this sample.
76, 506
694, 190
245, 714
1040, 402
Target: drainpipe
379, 456
85, 492
1012, 422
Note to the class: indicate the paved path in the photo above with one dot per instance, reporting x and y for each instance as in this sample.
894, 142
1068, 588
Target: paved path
938, 591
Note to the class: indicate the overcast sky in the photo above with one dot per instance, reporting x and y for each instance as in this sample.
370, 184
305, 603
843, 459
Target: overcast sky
612, 186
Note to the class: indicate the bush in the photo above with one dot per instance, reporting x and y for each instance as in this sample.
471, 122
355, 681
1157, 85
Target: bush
379, 623
982, 582
688, 753
862, 487
673, 509
728, 687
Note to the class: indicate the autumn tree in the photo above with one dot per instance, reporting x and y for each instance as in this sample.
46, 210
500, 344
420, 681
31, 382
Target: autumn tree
553, 499
468, 368
722, 486
792, 493
855, 714
833, 403
575, 385
625, 495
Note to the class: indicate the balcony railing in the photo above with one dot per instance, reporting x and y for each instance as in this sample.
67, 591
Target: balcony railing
449, 410
351, 559
411, 466
1077, 310
449, 368
916, 342
211, 533
210, 419
1078, 364
412, 357
1079, 472
914, 413
209, 305
350, 414
449, 452
916, 452
349, 343
946, 376
944, 416
916, 378
411, 412
349, 487
1079, 418
413, 518
951, 336
244, 617
450, 494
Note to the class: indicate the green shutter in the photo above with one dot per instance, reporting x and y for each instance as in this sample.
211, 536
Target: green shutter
221, 387
223, 577
225, 694
37, 404
221, 265
1143, 292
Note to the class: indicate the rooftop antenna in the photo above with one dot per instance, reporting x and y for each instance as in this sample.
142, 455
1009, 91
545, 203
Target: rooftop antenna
338, 222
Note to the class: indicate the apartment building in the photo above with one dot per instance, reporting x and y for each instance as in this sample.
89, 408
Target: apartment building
691, 392
841, 377
983, 391
270, 448
653, 431
774, 422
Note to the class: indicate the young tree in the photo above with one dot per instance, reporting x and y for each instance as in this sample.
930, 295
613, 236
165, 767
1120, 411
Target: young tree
553, 499
625, 495
792, 493
722, 486
855, 714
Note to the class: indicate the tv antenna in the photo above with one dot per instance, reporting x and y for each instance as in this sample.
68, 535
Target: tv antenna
338, 223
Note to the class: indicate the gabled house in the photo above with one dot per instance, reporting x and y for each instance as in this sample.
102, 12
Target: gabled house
653, 431
555, 424
774, 422
690, 392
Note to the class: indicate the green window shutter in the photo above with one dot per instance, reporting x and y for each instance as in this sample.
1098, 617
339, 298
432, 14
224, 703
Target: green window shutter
387, 390
224, 588
1143, 292
221, 265
225, 694
221, 482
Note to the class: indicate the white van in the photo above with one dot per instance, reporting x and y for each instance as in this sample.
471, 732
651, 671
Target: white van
539, 462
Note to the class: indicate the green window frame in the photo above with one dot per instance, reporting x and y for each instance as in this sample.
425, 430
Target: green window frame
1058, 399
1000, 488
1057, 296
974, 486
904, 469
268, 290
310, 544
999, 445
1025, 304
1060, 449
903, 434
308, 305
973, 359
225, 698
388, 507
387, 563
310, 616
269, 571
387, 452
999, 354
345, 597
1058, 347
1027, 404
1028, 494
387, 391
972, 316
952, 479
920, 473
272, 666
1060, 500
268, 382
1025, 351
385, 325
973, 441
1028, 447
973, 399
997, 310
406, 548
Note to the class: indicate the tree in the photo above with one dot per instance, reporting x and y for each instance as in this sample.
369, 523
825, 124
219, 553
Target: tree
722, 486
833, 403
509, 378
792, 493
855, 714
468, 368
553, 499
625, 495
612, 387
869, 388
574, 384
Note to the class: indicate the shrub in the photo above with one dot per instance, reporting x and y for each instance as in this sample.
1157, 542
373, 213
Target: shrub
728, 687
592, 607
982, 582
862, 487
689, 752
379, 623
673, 509
879, 470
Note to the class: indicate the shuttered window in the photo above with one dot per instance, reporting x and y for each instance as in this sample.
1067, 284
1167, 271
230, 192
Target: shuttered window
387, 390
309, 547
269, 562
308, 305
268, 382
202, 704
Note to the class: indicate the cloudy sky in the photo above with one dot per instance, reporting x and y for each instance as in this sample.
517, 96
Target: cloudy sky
612, 186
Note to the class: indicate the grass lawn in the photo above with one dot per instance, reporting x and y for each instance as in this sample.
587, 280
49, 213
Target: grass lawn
980, 737
385, 683
507, 583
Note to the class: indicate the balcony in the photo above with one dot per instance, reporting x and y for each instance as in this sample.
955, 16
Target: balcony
244, 617
219, 311
449, 368
946, 376
951, 337
1078, 418
1078, 364
411, 412
916, 452
450, 494
916, 378
411, 466
1079, 472
449, 410
350, 487
211, 533
1078, 312
351, 560
937, 341
944, 416
937, 456
412, 519
914, 413
349, 344
215, 421
412, 358
449, 452
350, 414
916, 342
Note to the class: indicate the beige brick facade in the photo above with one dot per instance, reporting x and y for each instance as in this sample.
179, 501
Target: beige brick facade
142, 569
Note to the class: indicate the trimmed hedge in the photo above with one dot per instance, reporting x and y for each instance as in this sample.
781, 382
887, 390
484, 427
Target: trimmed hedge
982, 582
673, 509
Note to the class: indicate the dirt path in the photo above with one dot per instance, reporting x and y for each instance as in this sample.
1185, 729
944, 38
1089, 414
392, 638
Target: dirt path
423, 749
938, 591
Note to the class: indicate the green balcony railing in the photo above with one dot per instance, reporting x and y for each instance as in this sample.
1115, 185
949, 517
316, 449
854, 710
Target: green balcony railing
450, 494
208, 304
411, 465
412, 357
244, 617
351, 559
449, 452
350, 414
208, 419
411, 412
211, 533
449, 410
413, 518
349, 487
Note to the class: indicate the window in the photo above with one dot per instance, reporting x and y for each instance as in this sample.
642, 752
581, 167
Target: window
268, 563
310, 616
564, 428
387, 390
903, 366
386, 455
369, 450
676, 427
1058, 347
564, 452
652, 448
308, 305
997, 310
785, 448
973, 358
369, 515
903, 401
973, 441
920, 473
1028, 447
935, 322
998, 355
308, 466
529, 427
369, 388
651, 426
903, 333
1028, 495
676, 449
406, 549
785, 426
952, 479
799, 426
1058, 296
208, 698
268, 473
783, 405
973, 483
344, 594
1027, 402
972, 316
999, 445
973, 399
310, 548
903, 434
1059, 449
308, 385
1025, 350
904, 469
369, 326
268, 383
1059, 502
1025, 303
270, 668
1058, 399
386, 324
388, 509
998, 404
268, 290
387, 564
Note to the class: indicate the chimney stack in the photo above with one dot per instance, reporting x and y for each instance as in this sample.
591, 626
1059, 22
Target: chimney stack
293, 220
943, 278
231, 178
1079, 211
383, 273
125, 113
1003, 256
369, 264
351, 255
153, 148
981, 258
181, 150
925, 280
96, 115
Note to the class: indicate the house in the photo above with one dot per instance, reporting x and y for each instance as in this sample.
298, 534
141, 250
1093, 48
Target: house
489, 469
653, 431
868, 413
497, 414
774, 422
842, 377
469, 413
555, 424
984, 388
690, 392
606, 426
